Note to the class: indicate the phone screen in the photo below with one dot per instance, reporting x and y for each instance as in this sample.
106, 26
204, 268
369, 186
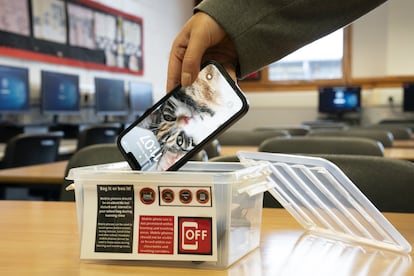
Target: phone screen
178, 125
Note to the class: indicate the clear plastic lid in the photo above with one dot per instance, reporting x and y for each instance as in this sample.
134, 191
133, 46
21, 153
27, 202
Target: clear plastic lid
325, 201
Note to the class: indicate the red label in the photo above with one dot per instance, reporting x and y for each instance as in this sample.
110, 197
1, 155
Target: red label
194, 236
156, 235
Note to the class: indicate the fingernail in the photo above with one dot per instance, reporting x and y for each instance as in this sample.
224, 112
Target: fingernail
186, 79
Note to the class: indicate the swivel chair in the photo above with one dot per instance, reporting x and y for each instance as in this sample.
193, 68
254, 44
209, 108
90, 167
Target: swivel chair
88, 156
99, 134
323, 145
249, 137
31, 149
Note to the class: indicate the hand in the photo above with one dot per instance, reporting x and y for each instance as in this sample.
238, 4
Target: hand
201, 39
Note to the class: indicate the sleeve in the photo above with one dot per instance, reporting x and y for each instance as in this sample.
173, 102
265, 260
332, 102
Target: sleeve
264, 31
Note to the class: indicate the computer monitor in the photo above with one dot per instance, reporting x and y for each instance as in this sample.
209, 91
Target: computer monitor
408, 97
339, 99
14, 89
59, 93
140, 97
110, 97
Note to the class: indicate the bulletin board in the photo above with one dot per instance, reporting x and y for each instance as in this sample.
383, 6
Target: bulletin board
78, 33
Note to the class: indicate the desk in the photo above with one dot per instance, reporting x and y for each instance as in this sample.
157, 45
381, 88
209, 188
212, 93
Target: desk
396, 153
403, 143
50, 173
41, 238
400, 153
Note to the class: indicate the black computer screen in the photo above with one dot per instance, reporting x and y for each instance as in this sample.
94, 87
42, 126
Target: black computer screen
140, 96
59, 93
339, 99
110, 98
408, 97
14, 89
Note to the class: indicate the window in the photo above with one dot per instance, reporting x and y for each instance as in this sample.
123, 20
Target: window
321, 59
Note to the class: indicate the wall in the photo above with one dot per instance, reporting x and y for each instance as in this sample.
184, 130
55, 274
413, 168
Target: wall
161, 22
382, 45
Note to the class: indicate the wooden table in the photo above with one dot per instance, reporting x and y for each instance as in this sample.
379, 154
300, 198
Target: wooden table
403, 143
44, 181
400, 153
41, 238
49, 174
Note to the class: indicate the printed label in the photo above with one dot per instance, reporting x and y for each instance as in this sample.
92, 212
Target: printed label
115, 220
156, 235
195, 236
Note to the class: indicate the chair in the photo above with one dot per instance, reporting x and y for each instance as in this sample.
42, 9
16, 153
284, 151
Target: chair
398, 122
31, 149
299, 130
399, 132
213, 148
386, 182
99, 134
200, 156
323, 145
88, 156
71, 131
248, 137
383, 136
8, 131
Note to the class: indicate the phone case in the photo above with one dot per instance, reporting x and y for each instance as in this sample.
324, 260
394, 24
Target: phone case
183, 121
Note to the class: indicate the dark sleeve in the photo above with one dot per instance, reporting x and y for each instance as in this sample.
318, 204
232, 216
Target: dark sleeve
264, 31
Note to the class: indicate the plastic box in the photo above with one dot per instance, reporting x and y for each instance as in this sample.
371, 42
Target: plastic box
313, 190
238, 198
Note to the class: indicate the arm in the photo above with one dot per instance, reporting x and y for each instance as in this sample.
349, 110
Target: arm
245, 35
264, 31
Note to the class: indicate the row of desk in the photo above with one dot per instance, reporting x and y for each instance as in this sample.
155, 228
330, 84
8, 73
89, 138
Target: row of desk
41, 238
53, 173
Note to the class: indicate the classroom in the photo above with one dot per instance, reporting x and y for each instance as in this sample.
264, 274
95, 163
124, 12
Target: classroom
316, 176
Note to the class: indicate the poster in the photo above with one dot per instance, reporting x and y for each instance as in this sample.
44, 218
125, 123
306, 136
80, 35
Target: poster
81, 26
14, 17
49, 20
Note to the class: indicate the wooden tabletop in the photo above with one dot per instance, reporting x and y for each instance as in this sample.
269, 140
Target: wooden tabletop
41, 238
49, 173
400, 153
403, 143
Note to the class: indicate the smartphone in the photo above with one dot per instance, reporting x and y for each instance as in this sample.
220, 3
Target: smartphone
175, 128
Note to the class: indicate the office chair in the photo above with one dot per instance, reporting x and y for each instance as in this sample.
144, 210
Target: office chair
323, 145
399, 132
71, 131
213, 148
398, 122
99, 134
386, 182
299, 130
383, 136
248, 137
31, 149
88, 156
8, 131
